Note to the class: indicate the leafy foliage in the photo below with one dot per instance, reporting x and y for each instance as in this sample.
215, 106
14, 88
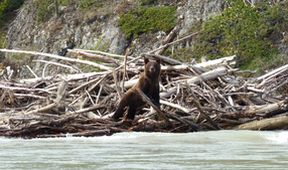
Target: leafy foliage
2, 40
44, 10
8, 6
148, 2
245, 31
147, 19
64, 2
90, 3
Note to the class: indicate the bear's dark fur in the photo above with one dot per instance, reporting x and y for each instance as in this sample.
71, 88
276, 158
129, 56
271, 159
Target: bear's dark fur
148, 83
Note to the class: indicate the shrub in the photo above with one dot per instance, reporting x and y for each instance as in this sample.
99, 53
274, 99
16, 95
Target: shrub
2, 40
90, 3
44, 10
245, 31
8, 6
148, 2
64, 2
147, 19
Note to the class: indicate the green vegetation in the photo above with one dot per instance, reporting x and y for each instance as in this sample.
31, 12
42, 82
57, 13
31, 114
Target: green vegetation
249, 32
44, 9
147, 19
148, 2
101, 45
2, 40
84, 4
7, 7
64, 2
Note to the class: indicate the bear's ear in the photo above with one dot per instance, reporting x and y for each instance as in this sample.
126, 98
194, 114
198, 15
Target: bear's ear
146, 60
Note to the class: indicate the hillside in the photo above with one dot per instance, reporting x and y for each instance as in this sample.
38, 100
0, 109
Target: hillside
104, 25
256, 33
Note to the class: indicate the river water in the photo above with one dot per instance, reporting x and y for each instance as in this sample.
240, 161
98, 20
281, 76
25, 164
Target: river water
201, 150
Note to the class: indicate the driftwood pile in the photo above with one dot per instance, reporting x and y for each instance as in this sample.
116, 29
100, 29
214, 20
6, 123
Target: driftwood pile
194, 97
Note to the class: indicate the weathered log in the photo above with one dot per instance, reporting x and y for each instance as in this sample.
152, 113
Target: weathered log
95, 56
221, 71
185, 110
274, 123
68, 77
174, 42
273, 73
230, 60
57, 64
218, 72
57, 57
208, 64
24, 89
104, 53
164, 59
265, 109
170, 37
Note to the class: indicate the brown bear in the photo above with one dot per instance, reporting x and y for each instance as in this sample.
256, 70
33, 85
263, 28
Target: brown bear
148, 83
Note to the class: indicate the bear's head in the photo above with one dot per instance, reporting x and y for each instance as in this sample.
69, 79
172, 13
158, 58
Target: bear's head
152, 68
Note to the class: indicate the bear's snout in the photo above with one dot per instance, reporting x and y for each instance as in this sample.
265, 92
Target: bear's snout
152, 69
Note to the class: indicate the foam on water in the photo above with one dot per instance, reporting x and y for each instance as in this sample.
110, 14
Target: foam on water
279, 137
138, 137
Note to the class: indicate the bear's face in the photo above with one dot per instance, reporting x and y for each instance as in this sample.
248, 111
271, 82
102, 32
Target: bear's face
152, 68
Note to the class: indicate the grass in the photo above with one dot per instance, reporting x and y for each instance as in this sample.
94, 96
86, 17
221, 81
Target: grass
44, 10
2, 39
88, 4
